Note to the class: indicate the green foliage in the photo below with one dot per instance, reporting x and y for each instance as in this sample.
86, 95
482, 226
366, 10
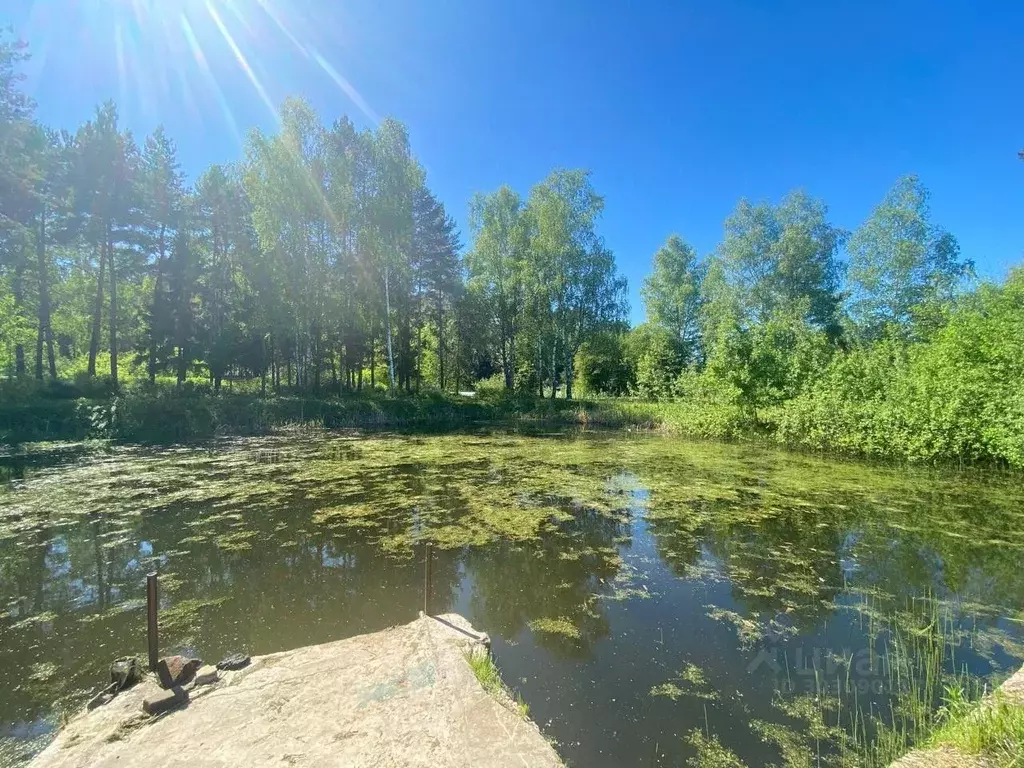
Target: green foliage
321, 254
710, 752
603, 365
656, 357
321, 265
547, 282
768, 363
773, 257
15, 328
901, 264
957, 396
497, 268
672, 293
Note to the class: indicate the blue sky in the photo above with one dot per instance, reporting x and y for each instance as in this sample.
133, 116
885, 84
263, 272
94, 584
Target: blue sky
679, 109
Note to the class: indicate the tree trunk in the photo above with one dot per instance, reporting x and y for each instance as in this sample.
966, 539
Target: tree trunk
274, 381
387, 321
157, 288
113, 310
97, 313
182, 362
506, 359
39, 353
540, 367
419, 355
318, 356
440, 343
45, 322
458, 349
554, 367
19, 301
373, 362
182, 339
407, 363
568, 376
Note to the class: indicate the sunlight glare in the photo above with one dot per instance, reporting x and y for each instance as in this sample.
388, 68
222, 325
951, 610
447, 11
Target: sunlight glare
347, 88
242, 61
200, 58
150, 38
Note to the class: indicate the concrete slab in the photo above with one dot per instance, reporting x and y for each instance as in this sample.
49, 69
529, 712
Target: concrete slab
401, 697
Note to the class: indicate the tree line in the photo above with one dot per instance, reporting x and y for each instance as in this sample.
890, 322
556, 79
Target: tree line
879, 341
320, 260
775, 298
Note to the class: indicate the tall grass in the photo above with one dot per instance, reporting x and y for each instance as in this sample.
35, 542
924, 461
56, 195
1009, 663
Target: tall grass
912, 653
486, 672
993, 728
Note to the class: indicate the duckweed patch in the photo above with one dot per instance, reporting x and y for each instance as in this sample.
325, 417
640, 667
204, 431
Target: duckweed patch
669, 690
693, 674
710, 752
560, 626
689, 681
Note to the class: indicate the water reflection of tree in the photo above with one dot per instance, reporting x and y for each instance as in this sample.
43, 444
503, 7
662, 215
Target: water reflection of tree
777, 561
558, 575
678, 536
784, 554
300, 583
292, 583
58, 635
942, 545
786, 562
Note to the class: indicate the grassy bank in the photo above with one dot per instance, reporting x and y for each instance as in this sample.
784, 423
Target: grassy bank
992, 730
166, 414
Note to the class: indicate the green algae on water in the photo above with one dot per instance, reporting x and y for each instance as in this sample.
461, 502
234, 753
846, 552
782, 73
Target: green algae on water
560, 626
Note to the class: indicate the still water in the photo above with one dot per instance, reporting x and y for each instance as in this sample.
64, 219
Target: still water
654, 601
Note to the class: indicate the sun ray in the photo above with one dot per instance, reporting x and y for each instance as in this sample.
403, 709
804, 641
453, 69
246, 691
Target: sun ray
231, 6
197, 53
345, 86
272, 13
122, 69
171, 42
242, 61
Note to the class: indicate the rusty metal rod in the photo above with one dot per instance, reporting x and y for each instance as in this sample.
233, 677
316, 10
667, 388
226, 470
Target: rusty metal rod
426, 581
151, 608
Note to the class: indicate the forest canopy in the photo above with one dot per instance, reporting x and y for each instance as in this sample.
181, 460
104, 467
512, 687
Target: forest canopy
320, 257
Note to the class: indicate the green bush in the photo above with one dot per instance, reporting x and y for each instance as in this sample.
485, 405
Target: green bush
957, 397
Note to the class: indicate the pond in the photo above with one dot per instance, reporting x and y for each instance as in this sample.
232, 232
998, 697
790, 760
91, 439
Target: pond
654, 601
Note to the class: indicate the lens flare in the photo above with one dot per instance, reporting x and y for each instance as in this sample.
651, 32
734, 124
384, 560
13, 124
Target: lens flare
197, 54
242, 61
347, 88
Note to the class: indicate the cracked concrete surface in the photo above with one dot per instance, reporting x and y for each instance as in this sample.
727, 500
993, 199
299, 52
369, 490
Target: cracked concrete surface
404, 696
